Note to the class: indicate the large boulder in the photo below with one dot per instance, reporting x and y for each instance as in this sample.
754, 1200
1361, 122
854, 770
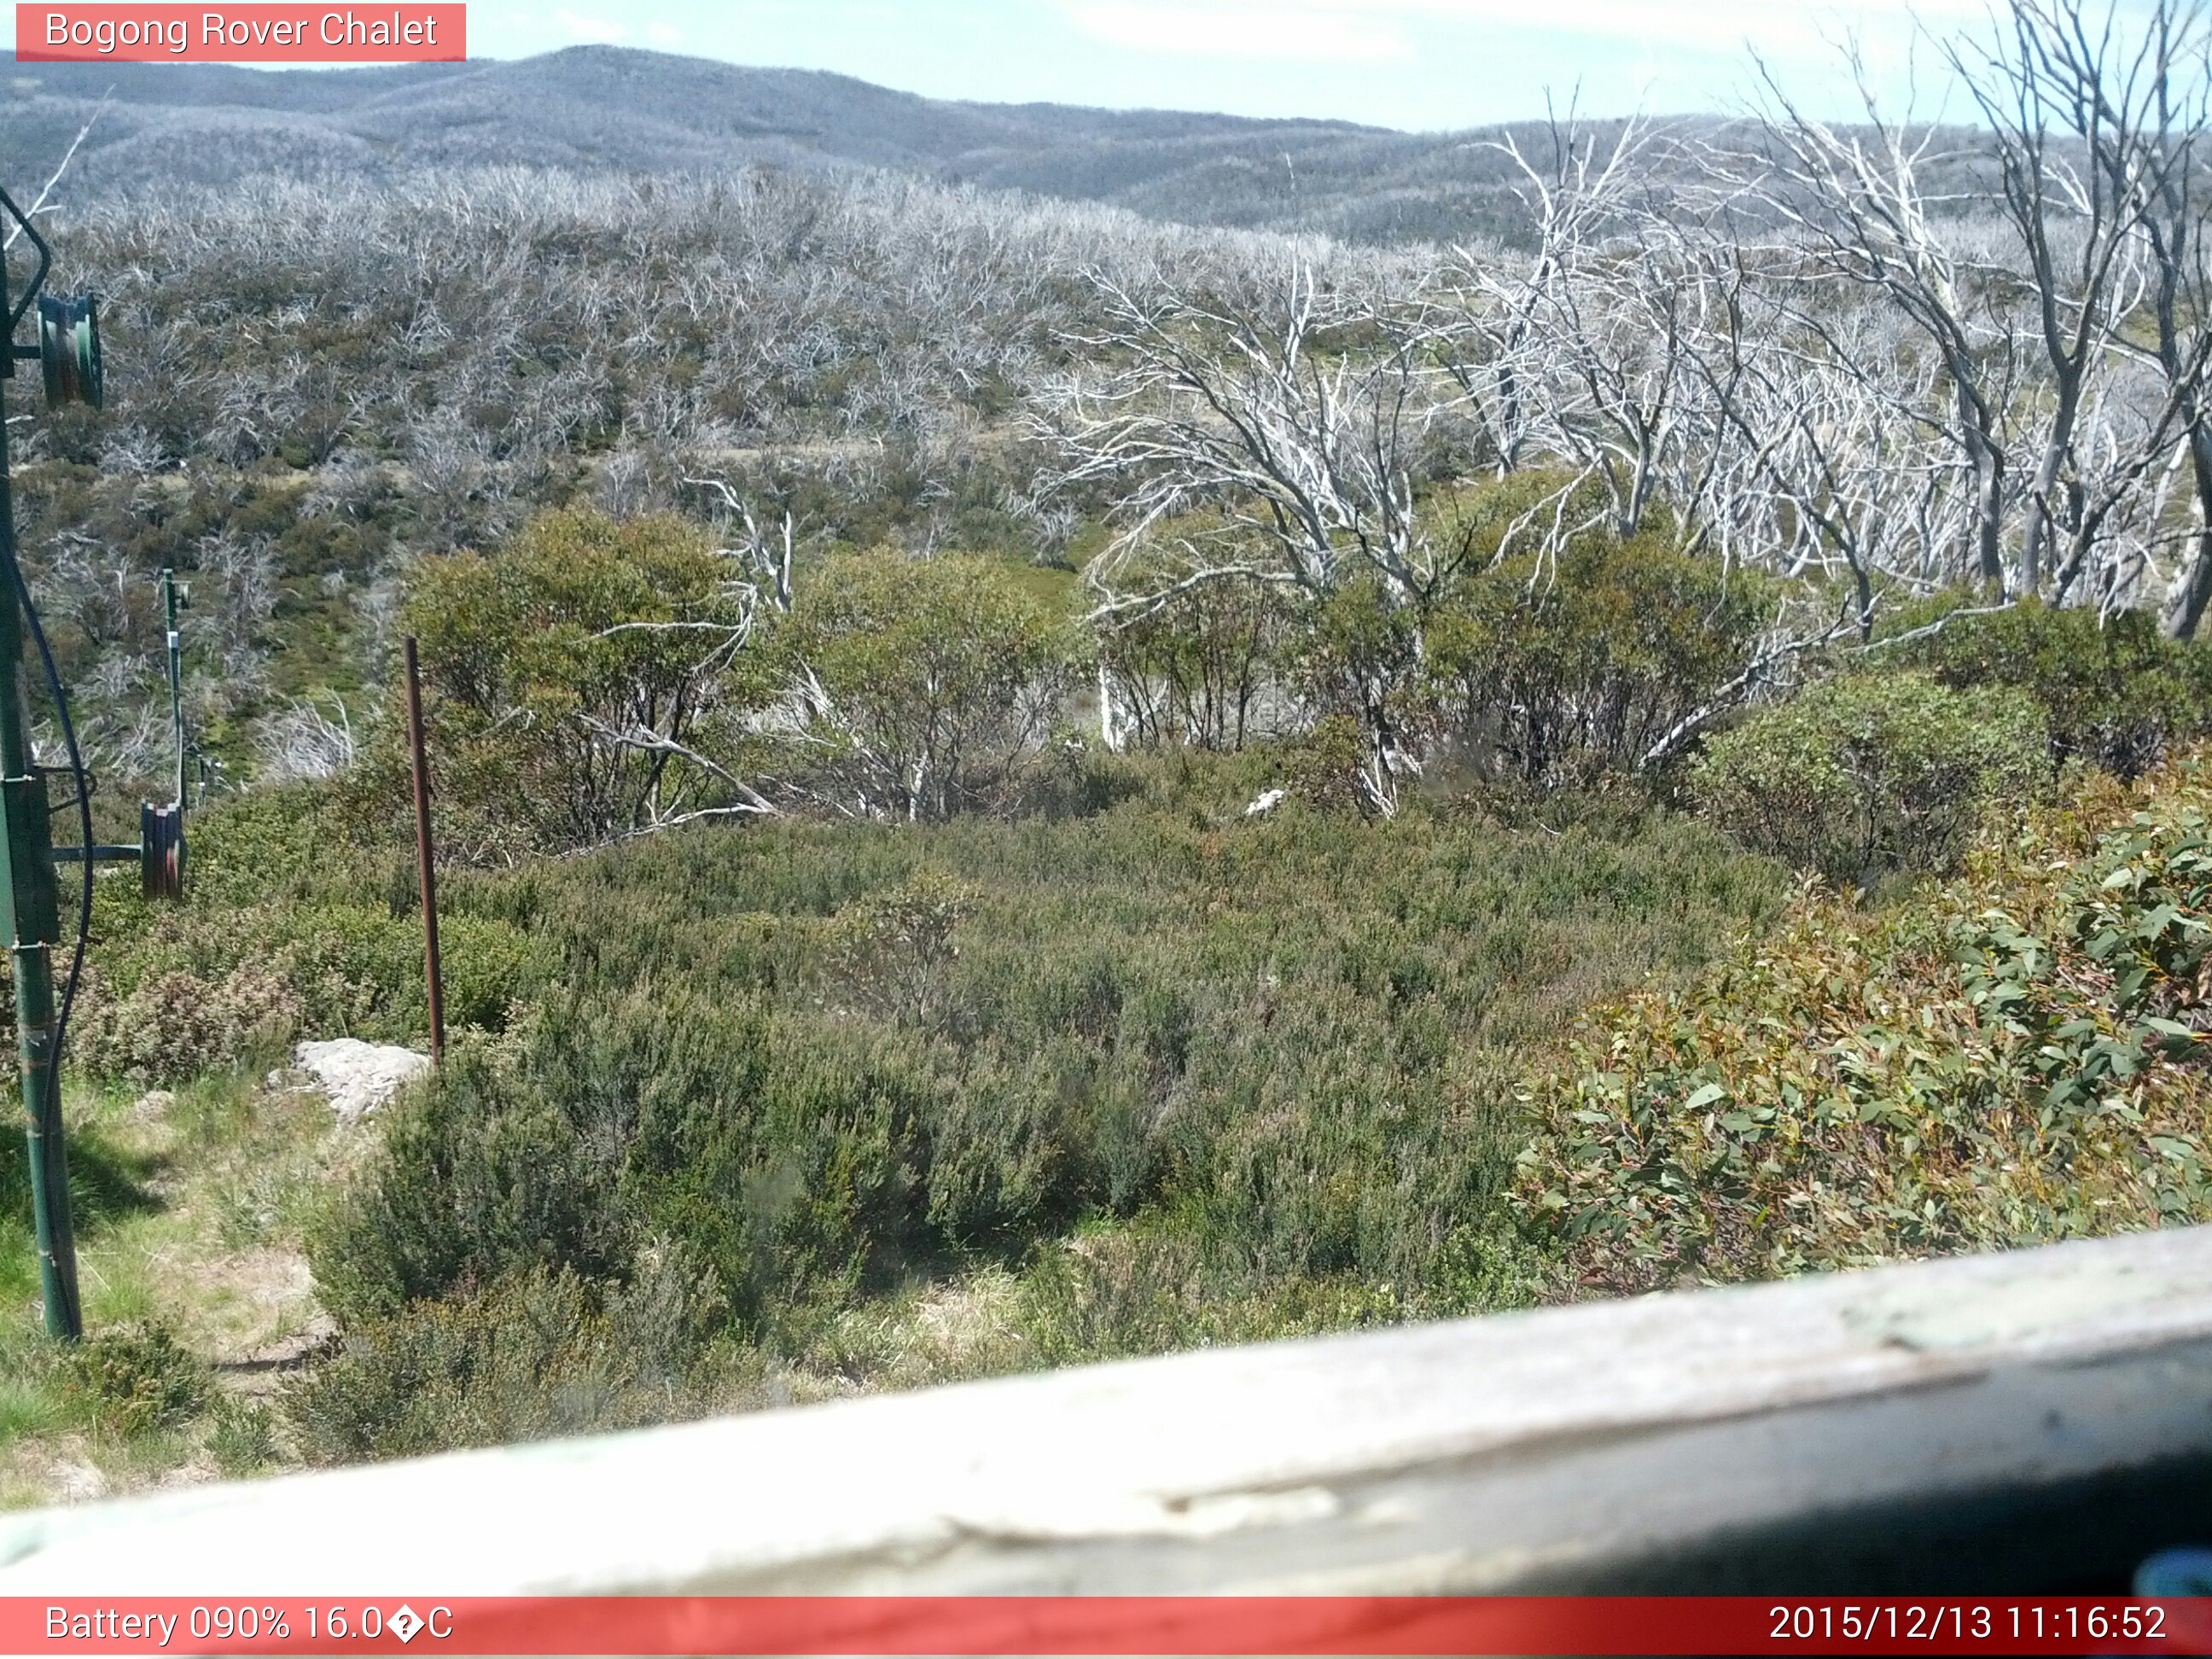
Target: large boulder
359, 1077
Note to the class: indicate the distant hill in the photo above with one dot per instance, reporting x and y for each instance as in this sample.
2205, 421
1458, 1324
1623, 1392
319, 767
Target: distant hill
605, 108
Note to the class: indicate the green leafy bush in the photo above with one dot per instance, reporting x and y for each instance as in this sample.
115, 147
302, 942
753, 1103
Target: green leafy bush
1868, 774
297, 922
1108, 1293
533, 1354
206, 986
2019, 1058
1356, 660
1551, 672
895, 950
582, 681
1323, 766
792, 1168
1195, 669
2116, 693
924, 681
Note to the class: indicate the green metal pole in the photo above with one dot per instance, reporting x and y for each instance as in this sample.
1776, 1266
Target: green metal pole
32, 924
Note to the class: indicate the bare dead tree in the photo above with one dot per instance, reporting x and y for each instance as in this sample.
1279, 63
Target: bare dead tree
1855, 211
1835, 458
1619, 334
1499, 320
302, 741
2135, 91
764, 560
1274, 437
2043, 78
39, 204
1303, 446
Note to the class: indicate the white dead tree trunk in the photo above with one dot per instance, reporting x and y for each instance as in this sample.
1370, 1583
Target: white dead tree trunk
39, 204
1842, 462
1270, 436
1496, 322
1585, 354
2043, 79
1853, 208
764, 559
2135, 90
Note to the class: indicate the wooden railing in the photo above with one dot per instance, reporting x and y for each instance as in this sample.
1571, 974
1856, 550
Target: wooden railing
2034, 1421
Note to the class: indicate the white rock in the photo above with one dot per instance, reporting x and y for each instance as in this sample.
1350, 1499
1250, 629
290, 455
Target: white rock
1266, 801
358, 1076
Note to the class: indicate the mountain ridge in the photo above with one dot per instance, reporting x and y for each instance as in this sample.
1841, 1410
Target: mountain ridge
600, 108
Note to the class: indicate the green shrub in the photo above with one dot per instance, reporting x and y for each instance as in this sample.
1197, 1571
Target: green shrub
242, 1437
1356, 659
174, 1026
139, 1377
1074, 778
573, 678
793, 1166
206, 987
895, 951
293, 925
474, 1181
1553, 672
360, 969
1110, 1293
2116, 694
831, 1059
299, 843
1323, 766
2018, 1059
1868, 774
1196, 669
533, 1354
926, 680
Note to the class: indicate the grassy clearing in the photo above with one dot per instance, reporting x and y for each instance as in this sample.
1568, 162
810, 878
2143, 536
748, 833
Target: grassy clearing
191, 1205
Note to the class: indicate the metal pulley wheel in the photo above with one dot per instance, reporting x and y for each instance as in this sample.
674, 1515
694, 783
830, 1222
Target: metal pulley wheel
161, 851
69, 349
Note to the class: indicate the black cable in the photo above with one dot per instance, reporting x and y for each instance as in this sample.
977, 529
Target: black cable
84, 814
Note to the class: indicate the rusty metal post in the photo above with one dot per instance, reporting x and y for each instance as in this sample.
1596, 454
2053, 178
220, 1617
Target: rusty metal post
425, 860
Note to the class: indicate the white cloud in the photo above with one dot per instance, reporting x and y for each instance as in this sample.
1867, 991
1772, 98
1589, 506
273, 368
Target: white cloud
1312, 29
664, 35
596, 31
1371, 30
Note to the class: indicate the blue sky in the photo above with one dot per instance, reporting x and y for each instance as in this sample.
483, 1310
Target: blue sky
1413, 64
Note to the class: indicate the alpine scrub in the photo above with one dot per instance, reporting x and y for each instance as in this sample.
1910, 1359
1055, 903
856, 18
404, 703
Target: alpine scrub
2020, 1058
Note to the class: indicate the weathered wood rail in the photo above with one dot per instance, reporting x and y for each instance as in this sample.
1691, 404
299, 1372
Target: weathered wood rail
2035, 1420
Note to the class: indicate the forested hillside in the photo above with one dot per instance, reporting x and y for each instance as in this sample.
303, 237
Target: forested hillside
609, 110
1021, 783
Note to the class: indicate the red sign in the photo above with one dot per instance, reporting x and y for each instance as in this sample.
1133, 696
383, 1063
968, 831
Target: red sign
262, 34
1129, 1625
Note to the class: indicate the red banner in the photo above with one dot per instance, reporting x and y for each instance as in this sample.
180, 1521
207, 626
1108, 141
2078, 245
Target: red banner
1103, 1625
264, 33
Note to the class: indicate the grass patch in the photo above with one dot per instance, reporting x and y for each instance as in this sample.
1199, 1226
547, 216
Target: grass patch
190, 1211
